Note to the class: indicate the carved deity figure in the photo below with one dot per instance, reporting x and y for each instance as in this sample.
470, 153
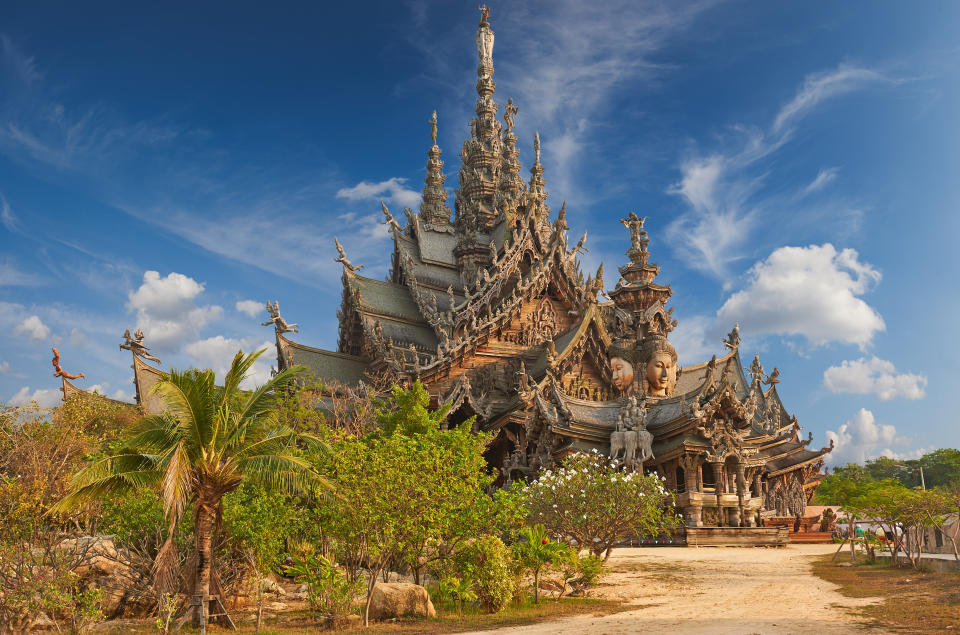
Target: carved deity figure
637, 235
732, 340
485, 38
135, 344
58, 371
433, 128
622, 373
278, 322
661, 373
510, 113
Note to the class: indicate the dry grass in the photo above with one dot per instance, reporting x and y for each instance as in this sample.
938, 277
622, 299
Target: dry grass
447, 621
914, 601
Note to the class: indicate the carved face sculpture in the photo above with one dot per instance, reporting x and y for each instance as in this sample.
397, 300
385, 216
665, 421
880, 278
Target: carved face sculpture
622, 373
661, 374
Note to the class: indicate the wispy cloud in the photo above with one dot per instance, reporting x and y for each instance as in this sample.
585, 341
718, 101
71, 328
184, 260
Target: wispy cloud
722, 188
391, 190
825, 177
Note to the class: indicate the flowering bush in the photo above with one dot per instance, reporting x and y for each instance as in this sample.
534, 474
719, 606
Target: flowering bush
590, 501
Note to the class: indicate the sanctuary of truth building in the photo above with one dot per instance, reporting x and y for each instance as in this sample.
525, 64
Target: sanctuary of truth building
488, 307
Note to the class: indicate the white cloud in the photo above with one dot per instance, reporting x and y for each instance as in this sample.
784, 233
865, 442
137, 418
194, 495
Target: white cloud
34, 328
250, 307
44, 397
122, 395
808, 291
824, 85
391, 190
721, 188
12, 276
77, 337
4, 368
217, 353
167, 310
874, 375
6, 216
693, 339
861, 438
824, 178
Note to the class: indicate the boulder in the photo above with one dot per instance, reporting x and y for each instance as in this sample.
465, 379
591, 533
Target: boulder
400, 599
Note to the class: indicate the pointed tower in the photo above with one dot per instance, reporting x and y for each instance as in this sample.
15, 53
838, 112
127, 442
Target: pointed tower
510, 189
475, 204
536, 195
433, 210
636, 291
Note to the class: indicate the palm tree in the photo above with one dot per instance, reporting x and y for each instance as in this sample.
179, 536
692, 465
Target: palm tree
206, 443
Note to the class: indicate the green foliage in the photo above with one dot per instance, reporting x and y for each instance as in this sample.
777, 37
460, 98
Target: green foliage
941, 468
536, 551
410, 492
258, 522
487, 562
411, 414
329, 591
41, 580
135, 519
592, 501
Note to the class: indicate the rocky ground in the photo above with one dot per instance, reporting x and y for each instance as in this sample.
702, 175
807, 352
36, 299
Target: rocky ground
716, 590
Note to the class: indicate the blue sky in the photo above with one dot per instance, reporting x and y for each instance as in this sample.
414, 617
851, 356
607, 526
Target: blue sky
175, 167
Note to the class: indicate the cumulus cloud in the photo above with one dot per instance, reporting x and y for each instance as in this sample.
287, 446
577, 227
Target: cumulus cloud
808, 291
217, 353
44, 397
250, 307
33, 328
391, 190
861, 438
167, 310
874, 375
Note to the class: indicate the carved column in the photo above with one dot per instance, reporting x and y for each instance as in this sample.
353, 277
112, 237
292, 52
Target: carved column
741, 490
720, 476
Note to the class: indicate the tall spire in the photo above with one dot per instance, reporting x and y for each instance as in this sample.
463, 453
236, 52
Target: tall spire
511, 184
636, 291
536, 195
433, 209
480, 167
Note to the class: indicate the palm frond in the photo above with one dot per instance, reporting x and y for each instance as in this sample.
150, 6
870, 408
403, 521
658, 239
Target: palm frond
261, 402
286, 473
190, 398
177, 482
238, 371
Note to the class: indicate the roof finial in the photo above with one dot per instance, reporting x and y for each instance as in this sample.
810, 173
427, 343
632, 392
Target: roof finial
279, 324
134, 343
342, 258
536, 146
433, 208
433, 128
58, 371
509, 114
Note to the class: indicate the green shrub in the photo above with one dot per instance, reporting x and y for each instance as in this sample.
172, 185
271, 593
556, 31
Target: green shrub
487, 562
329, 591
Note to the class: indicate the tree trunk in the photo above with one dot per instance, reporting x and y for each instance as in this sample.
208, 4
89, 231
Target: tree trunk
204, 540
536, 585
853, 540
371, 583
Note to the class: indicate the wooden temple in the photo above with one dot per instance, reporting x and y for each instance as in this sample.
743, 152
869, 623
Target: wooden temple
488, 307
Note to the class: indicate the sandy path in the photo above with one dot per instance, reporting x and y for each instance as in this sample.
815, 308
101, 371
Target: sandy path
716, 590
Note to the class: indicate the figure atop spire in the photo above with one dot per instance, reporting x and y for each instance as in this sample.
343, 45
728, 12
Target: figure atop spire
510, 191
536, 195
433, 210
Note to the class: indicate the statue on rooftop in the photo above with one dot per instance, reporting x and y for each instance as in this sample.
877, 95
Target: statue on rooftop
732, 340
634, 225
278, 322
342, 259
773, 378
58, 371
509, 114
433, 128
135, 344
389, 220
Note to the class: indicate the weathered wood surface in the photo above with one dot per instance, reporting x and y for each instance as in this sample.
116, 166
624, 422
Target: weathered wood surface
737, 536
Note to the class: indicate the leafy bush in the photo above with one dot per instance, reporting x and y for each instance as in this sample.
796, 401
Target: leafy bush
36, 580
487, 562
329, 591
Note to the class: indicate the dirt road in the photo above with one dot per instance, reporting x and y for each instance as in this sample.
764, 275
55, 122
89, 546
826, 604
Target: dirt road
716, 590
